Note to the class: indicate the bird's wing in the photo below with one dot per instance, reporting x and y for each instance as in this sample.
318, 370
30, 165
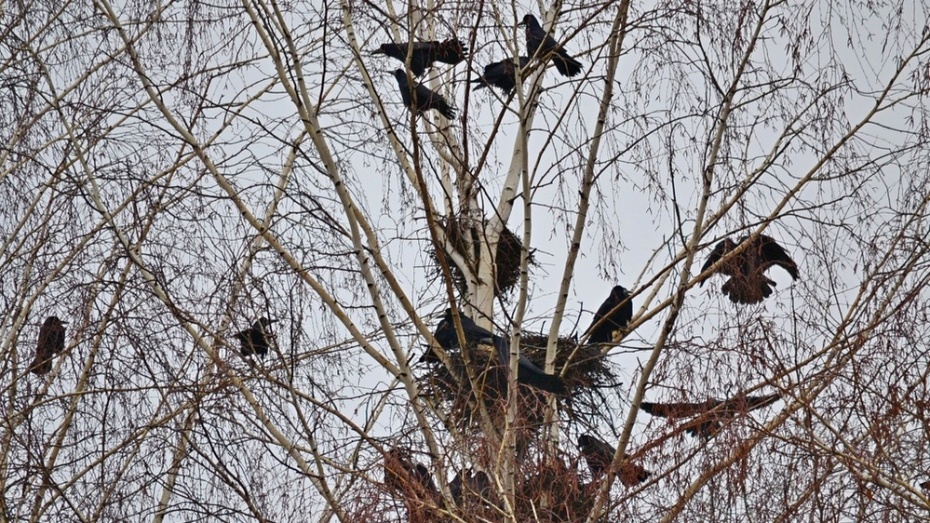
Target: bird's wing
678, 410
598, 447
747, 403
452, 51
770, 253
527, 371
719, 251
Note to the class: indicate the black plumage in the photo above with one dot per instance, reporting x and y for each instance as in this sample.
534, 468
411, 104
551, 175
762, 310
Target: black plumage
255, 339
51, 342
614, 314
747, 282
599, 454
423, 54
425, 98
709, 415
466, 483
447, 338
502, 75
528, 373
409, 479
537, 39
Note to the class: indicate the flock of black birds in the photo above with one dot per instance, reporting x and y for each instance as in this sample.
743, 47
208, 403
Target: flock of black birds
744, 263
746, 284
503, 74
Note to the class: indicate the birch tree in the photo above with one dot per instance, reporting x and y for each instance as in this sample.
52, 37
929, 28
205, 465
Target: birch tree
173, 172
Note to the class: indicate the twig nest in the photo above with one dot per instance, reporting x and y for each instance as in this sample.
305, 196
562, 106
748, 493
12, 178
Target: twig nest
466, 234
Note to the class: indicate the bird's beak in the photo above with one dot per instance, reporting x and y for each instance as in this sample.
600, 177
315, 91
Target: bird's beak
521, 24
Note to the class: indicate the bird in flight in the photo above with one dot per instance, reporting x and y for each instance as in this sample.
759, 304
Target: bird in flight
423, 54
538, 40
747, 282
709, 416
502, 75
51, 342
255, 339
422, 98
599, 454
614, 314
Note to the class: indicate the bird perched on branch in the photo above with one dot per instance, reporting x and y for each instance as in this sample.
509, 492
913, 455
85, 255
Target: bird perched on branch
412, 480
614, 314
599, 454
423, 54
709, 415
51, 342
466, 483
255, 339
748, 283
502, 75
528, 373
538, 39
422, 98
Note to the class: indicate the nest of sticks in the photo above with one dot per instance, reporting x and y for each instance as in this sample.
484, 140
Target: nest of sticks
465, 236
463, 389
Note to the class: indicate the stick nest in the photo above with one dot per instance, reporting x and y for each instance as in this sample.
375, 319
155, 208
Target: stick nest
588, 373
465, 235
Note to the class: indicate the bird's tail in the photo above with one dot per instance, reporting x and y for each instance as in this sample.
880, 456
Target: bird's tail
566, 65
447, 110
547, 382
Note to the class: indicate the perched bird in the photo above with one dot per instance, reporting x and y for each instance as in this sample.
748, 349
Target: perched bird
502, 75
423, 54
528, 373
478, 484
748, 283
710, 414
611, 316
255, 339
426, 98
537, 38
599, 454
51, 342
413, 481
447, 338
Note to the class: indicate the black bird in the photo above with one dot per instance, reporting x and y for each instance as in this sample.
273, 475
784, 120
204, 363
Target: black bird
423, 54
711, 414
51, 342
611, 316
502, 75
412, 480
478, 484
426, 98
748, 283
536, 37
599, 454
528, 372
255, 339
448, 339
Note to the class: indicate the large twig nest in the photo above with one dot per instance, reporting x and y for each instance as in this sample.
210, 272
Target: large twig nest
588, 373
465, 235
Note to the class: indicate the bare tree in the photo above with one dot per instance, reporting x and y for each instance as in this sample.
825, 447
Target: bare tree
172, 173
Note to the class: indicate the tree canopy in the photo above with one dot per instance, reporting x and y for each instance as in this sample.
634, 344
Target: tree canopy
312, 269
